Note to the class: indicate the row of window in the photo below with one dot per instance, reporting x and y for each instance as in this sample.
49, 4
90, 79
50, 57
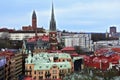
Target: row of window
41, 77
54, 72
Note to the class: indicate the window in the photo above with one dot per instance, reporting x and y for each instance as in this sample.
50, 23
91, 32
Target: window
30, 67
54, 77
54, 71
46, 66
40, 72
60, 65
34, 72
40, 67
31, 61
47, 72
54, 66
69, 70
30, 73
40, 77
64, 65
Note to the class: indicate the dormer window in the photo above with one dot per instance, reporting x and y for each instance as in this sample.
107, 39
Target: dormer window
40, 67
64, 65
46, 66
60, 65
31, 61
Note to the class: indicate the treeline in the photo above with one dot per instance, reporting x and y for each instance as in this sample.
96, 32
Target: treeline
6, 43
101, 36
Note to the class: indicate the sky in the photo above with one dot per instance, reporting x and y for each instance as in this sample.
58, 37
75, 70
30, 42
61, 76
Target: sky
70, 15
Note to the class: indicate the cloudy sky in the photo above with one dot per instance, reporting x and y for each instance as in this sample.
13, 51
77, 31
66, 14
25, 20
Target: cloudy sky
70, 15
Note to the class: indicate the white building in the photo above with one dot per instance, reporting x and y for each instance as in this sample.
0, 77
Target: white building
20, 35
83, 40
108, 43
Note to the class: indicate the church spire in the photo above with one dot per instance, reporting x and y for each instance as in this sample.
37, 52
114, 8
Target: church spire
34, 15
52, 21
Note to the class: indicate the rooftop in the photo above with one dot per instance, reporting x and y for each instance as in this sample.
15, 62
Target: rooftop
45, 61
68, 49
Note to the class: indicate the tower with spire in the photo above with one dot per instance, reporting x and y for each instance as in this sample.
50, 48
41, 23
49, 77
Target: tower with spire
52, 31
34, 21
52, 21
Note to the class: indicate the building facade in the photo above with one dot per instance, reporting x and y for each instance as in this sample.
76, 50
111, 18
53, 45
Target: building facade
2, 67
21, 35
34, 26
83, 40
51, 66
14, 65
113, 30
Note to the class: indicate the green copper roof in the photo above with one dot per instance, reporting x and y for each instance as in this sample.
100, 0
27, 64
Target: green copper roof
60, 55
47, 66
44, 61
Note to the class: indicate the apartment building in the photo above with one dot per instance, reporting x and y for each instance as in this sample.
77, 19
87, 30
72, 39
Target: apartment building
2, 67
14, 65
51, 66
82, 39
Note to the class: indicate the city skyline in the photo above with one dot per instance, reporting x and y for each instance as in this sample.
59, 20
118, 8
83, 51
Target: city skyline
70, 15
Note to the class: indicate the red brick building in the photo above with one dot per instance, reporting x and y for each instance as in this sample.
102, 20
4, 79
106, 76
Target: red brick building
34, 24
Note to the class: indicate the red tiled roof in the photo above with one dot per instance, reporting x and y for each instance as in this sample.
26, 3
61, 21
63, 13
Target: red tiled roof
116, 49
68, 49
28, 78
6, 30
43, 38
74, 54
101, 51
7, 54
95, 60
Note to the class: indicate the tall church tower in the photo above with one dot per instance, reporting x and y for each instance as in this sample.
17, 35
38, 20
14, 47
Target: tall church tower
53, 32
34, 21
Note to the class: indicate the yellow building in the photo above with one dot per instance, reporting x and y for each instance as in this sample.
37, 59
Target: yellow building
48, 65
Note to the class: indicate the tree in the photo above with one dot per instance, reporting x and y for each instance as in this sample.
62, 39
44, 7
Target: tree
79, 50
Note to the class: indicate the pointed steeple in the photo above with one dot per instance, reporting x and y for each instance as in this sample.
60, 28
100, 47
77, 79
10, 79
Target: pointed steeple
52, 21
34, 15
